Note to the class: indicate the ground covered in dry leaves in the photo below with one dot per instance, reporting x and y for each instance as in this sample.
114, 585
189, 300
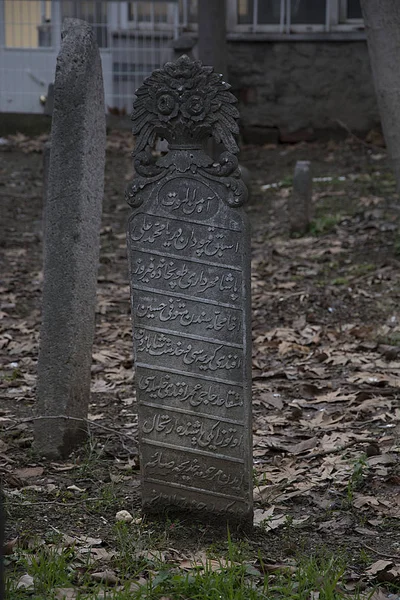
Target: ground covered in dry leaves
326, 375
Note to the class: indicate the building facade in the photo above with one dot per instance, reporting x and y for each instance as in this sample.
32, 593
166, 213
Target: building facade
298, 67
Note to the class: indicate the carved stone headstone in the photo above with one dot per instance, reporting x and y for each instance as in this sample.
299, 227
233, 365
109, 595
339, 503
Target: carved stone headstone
189, 254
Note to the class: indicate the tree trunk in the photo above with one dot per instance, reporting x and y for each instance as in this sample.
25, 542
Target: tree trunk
211, 16
382, 25
212, 34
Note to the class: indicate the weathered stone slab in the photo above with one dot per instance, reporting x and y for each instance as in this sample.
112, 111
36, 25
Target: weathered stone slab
2, 543
46, 169
71, 250
189, 253
300, 201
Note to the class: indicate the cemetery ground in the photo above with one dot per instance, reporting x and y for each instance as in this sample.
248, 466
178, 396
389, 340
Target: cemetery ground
326, 408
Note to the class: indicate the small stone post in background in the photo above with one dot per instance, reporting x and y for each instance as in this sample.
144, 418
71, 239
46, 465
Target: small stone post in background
299, 202
183, 45
71, 243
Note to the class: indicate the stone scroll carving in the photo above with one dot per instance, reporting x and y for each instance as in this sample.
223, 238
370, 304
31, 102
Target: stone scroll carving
188, 246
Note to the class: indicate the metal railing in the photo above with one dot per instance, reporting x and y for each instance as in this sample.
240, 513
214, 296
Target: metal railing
134, 39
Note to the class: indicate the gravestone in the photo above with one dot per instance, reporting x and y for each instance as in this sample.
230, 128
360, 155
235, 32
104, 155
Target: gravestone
71, 243
189, 255
299, 203
2, 542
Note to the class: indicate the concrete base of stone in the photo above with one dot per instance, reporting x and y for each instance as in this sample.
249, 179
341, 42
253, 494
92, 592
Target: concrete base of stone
221, 523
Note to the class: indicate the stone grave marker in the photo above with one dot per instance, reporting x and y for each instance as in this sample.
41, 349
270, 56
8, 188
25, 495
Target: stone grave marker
300, 201
2, 542
71, 243
189, 255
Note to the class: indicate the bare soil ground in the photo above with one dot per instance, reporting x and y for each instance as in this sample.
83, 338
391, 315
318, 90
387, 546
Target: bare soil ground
326, 367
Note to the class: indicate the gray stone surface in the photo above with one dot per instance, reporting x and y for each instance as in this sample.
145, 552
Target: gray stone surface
2, 543
300, 200
46, 170
246, 176
189, 254
183, 45
71, 253
300, 85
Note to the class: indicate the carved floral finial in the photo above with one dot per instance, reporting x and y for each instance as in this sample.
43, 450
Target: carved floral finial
185, 103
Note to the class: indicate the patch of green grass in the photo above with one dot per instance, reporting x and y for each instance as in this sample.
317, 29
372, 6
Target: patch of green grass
324, 224
362, 269
365, 558
242, 581
137, 547
360, 468
50, 568
13, 376
392, 339
396, 244
340, 281
108, 501
232, 572
90, 459
238, 551
286, 181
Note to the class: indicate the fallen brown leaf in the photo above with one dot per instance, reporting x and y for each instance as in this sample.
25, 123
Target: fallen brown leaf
379, 565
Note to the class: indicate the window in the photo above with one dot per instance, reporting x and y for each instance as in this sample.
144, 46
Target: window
304, 12
188, 11
295, 16
27, 23
92, 11
350, 11
153, 14
261, 12
147, 12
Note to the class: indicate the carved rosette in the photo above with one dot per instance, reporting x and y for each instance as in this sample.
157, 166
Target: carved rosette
186, 103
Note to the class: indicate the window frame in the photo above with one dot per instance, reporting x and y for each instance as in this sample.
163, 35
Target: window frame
335, 21
172, 22
343, 4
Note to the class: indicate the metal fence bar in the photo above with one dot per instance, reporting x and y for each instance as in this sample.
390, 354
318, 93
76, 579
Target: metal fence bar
184, 13
131, 48
328, 15
176, 20
288, 15
255, 14
2, 25
282, 17
56, 24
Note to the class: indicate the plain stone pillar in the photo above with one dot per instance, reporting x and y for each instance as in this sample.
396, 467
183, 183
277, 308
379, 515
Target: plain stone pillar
71, 253
299, 203
212, 49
